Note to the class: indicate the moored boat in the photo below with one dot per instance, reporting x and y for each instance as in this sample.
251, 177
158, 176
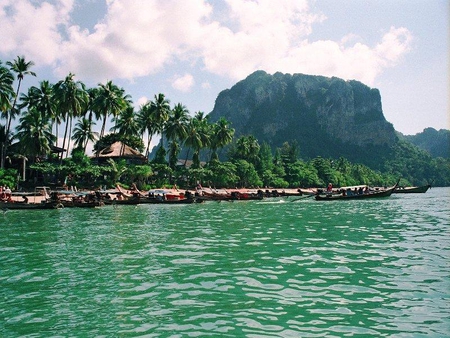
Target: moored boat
27, 206
343, 195
412, 190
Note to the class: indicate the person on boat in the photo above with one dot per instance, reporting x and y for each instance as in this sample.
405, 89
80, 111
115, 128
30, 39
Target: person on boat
366, 190
8, 192
329, 187
360, 191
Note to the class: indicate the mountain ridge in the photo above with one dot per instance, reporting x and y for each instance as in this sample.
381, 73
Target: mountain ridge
325, 116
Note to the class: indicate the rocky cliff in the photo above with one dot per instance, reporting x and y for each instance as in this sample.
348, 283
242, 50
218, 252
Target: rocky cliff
326, 116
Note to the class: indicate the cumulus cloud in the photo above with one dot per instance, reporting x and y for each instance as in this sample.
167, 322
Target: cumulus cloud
32, 29
230, 38
183, 83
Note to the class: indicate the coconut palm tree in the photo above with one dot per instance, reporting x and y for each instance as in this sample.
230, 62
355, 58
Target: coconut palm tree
43, 99
34, 134
161, 113
176, 131
198, 137
146, 123
71, 98
221, 136
176, 126
6, 94
21, 68
126, 125
109, 100
83, 133
6, 90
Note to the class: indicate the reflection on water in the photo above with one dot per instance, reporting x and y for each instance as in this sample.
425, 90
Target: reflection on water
272, 268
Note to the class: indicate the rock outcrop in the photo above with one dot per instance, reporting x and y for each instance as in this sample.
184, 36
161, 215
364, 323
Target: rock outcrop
325, 116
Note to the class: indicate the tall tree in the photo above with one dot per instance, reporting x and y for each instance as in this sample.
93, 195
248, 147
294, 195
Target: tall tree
161, 113
6, 94
42, 98
221, 136
198, 136
83, 133
146, 122
71, 97
176, 126
21, 68
34, 134
126, 125
109, 100
6, 90
176, 131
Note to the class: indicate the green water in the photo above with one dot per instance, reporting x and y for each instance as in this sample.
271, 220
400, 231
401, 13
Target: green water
272, 268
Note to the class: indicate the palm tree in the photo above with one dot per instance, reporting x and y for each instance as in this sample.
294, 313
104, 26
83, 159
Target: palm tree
4, 138
72, 98
198, 136
176, 126
146, 123
6, 90
42, 98
221, 136
21, 68
109, 100
6, 93
82, 133
161, 113
247, 148
126, 125
176, 131
34, 134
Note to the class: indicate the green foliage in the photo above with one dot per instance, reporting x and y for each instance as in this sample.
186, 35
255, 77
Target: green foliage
221, 174
130, 140
8, 178
435, 142
248, 177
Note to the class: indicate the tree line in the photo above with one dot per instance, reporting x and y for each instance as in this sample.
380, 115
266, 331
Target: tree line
41, 111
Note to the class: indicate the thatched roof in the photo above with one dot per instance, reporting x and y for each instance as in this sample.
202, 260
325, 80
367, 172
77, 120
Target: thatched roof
116, 150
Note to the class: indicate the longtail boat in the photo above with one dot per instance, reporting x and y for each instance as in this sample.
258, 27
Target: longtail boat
412, 190
329, 196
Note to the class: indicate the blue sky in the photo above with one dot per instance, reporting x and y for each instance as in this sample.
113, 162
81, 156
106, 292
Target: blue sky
192, 50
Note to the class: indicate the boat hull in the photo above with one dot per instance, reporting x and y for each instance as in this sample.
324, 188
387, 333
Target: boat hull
335, 197
412, 190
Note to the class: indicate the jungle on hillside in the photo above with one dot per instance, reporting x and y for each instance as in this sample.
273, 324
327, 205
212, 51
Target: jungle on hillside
39, 125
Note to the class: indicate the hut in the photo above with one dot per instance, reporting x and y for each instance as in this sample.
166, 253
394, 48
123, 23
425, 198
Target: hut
117, 151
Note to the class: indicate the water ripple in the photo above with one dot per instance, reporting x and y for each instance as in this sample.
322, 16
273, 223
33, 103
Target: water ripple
257, 269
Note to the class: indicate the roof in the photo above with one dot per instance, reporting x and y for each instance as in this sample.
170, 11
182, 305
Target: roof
115, 150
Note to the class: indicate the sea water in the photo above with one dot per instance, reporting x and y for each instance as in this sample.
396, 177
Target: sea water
284, 267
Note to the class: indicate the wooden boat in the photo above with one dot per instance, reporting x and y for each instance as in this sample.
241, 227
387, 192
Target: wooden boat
27, 206
231, 195
412, 190
74, 199
327, 196
155, 196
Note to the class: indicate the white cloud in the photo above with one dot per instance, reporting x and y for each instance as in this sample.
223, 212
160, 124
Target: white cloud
32, 30
183, 83
140, 38
135, 38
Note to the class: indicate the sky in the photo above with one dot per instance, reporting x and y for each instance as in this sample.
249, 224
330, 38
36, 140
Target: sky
191, 50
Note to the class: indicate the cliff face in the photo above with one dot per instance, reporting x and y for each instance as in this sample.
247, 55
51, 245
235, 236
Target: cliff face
324, 115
